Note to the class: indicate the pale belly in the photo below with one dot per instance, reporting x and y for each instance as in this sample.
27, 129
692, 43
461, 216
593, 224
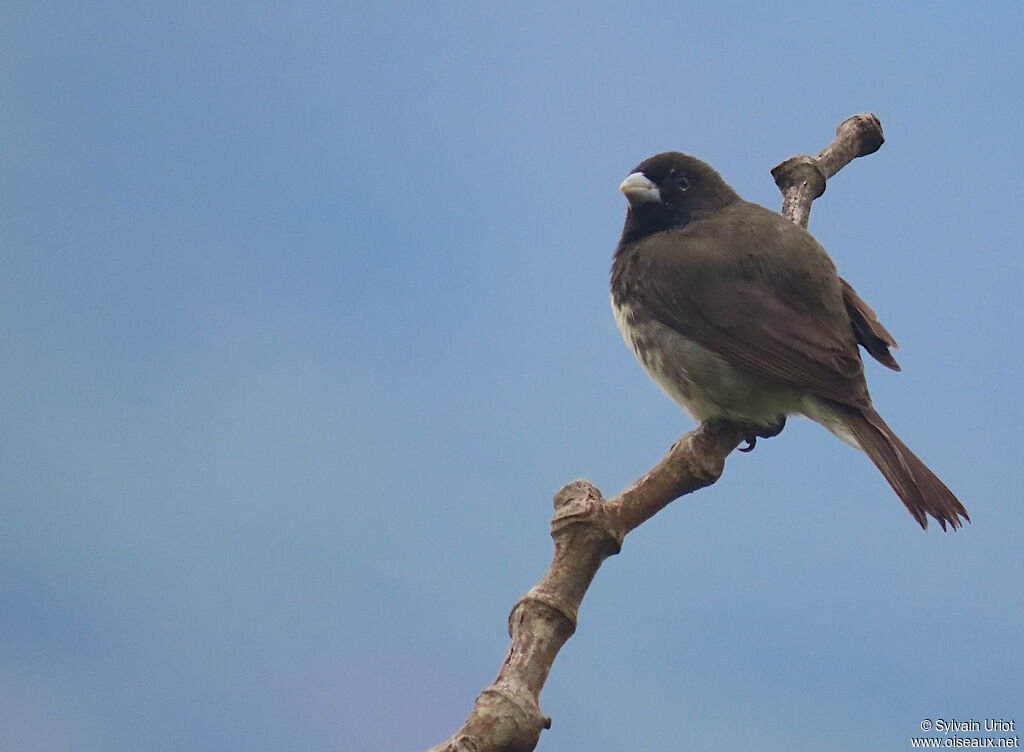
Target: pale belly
707, 386
702, 382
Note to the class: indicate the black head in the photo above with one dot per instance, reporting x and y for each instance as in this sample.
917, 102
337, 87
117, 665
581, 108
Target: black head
670, 190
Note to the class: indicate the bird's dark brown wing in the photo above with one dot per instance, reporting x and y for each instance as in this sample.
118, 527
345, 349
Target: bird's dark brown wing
868, 330
759, 291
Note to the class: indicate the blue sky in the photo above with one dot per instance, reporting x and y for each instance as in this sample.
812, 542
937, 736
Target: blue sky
305, 319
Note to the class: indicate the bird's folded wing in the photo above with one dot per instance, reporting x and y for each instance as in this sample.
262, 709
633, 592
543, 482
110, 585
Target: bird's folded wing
792, 326
868, 330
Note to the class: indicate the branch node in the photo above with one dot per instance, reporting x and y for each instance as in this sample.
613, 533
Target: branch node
520, 698
570, 492
580, 503
515, 711
864, 130
553, 601
712, 442
462, 743
803, 171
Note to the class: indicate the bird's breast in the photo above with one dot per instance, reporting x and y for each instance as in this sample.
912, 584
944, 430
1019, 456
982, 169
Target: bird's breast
701, 381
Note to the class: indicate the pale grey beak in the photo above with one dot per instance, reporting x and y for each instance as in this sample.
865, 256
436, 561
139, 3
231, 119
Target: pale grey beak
640, 190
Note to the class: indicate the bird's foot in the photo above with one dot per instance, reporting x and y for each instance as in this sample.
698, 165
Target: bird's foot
753, 431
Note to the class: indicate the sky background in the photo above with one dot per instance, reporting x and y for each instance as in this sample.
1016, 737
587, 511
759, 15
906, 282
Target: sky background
304, 319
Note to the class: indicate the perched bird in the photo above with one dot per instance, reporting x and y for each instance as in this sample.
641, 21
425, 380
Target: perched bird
739, 314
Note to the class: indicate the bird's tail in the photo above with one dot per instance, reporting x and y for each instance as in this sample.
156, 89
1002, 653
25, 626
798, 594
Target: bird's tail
917, 486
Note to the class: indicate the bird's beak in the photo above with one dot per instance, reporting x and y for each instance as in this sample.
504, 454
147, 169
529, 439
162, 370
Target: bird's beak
640, 190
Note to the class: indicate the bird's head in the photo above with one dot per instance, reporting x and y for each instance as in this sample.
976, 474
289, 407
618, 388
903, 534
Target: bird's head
671, 190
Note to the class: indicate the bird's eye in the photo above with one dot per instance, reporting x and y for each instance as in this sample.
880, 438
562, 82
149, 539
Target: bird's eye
682, 182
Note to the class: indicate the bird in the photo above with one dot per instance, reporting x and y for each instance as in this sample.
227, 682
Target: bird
738, 314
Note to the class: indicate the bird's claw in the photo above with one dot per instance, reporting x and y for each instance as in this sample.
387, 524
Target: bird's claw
764, 432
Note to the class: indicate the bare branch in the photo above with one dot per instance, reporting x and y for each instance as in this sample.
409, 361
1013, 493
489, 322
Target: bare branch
587, 528
802, 178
